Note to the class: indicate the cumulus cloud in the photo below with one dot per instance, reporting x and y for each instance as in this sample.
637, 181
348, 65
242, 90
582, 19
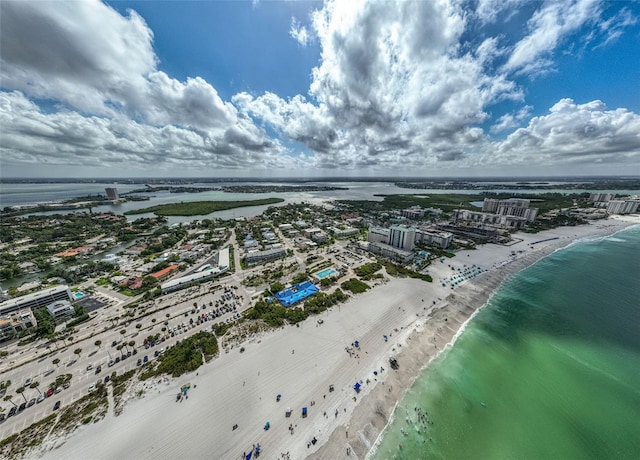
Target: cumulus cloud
101, 67
393, 87
399, 85
574, 133
32, 136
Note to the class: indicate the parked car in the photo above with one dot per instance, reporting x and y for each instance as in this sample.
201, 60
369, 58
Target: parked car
117, 359
114, 343
2, 417
56, 406
13, 411
22, 406
49, 392
66, 385
111, 362
92, 387
139, 362
89, 367
27, 382
145, 359
135, 351
40, 398
31, 402
107, 378
99, 382
98, 369
58, 390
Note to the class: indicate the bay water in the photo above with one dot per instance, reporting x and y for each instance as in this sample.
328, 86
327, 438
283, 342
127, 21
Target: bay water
548, 369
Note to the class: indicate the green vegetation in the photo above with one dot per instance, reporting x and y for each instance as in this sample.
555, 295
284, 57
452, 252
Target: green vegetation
196, 208
275, 314
18, 444
276, 287
450, 201
321, 301
186, 356
367, 270
401, 272
355, 285
221, 329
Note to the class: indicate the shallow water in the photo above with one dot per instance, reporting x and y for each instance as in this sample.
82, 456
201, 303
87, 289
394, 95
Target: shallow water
549, 369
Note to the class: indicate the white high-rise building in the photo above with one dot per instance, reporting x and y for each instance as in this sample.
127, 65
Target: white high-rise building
402, 237
623, 206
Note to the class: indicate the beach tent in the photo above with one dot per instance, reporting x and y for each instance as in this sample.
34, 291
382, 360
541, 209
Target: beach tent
357, 387
356, 343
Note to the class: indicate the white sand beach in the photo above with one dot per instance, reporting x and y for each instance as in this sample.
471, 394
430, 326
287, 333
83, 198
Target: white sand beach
300, 363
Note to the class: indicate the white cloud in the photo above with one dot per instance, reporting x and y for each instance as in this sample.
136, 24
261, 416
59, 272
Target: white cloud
548, 26
574, 133
393, 87
31, 136
299, 32
399, 85
102, 68
511, 120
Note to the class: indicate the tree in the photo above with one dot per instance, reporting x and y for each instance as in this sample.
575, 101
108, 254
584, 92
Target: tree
77, 351
98, 343
132, 343
36, 385
56, 362
123, 332
20, 391
9, 398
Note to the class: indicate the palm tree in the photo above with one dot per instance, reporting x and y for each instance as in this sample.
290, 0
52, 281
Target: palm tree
98, 343
56, 362
36, 385
9, 398
77, 351
20, 391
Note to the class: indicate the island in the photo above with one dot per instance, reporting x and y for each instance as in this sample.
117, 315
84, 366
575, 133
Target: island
197, 208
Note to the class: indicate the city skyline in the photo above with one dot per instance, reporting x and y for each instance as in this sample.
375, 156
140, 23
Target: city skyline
315, 89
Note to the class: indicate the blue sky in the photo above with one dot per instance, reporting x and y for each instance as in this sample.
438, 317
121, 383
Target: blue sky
336, 88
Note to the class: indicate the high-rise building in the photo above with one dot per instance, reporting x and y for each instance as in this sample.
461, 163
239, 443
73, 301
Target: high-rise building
600, 197
402, 237
112, 193
623, 206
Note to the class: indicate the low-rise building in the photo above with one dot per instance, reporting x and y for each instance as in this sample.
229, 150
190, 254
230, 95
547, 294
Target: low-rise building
434, 237
36, 300
262, 256
60, 309
390, 252
16, 321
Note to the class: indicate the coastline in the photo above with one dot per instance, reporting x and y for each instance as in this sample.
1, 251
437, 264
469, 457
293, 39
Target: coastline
241, 388
447, 320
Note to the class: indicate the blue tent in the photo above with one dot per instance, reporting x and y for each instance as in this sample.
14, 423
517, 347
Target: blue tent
357, 387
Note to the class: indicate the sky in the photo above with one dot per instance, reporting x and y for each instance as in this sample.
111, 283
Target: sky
319, 89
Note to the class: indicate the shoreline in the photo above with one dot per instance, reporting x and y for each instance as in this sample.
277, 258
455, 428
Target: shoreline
375, 413
421, 319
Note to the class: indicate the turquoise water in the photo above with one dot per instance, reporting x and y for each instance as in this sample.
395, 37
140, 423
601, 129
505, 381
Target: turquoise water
78, 295
550, 369
326, 272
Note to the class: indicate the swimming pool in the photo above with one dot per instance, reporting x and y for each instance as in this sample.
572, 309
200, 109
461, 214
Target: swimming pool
78, 295
326, 272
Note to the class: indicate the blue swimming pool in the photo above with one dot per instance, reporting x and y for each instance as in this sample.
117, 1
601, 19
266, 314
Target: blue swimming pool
326, 272
78, 295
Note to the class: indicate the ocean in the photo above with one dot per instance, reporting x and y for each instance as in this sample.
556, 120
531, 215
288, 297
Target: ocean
548, 369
